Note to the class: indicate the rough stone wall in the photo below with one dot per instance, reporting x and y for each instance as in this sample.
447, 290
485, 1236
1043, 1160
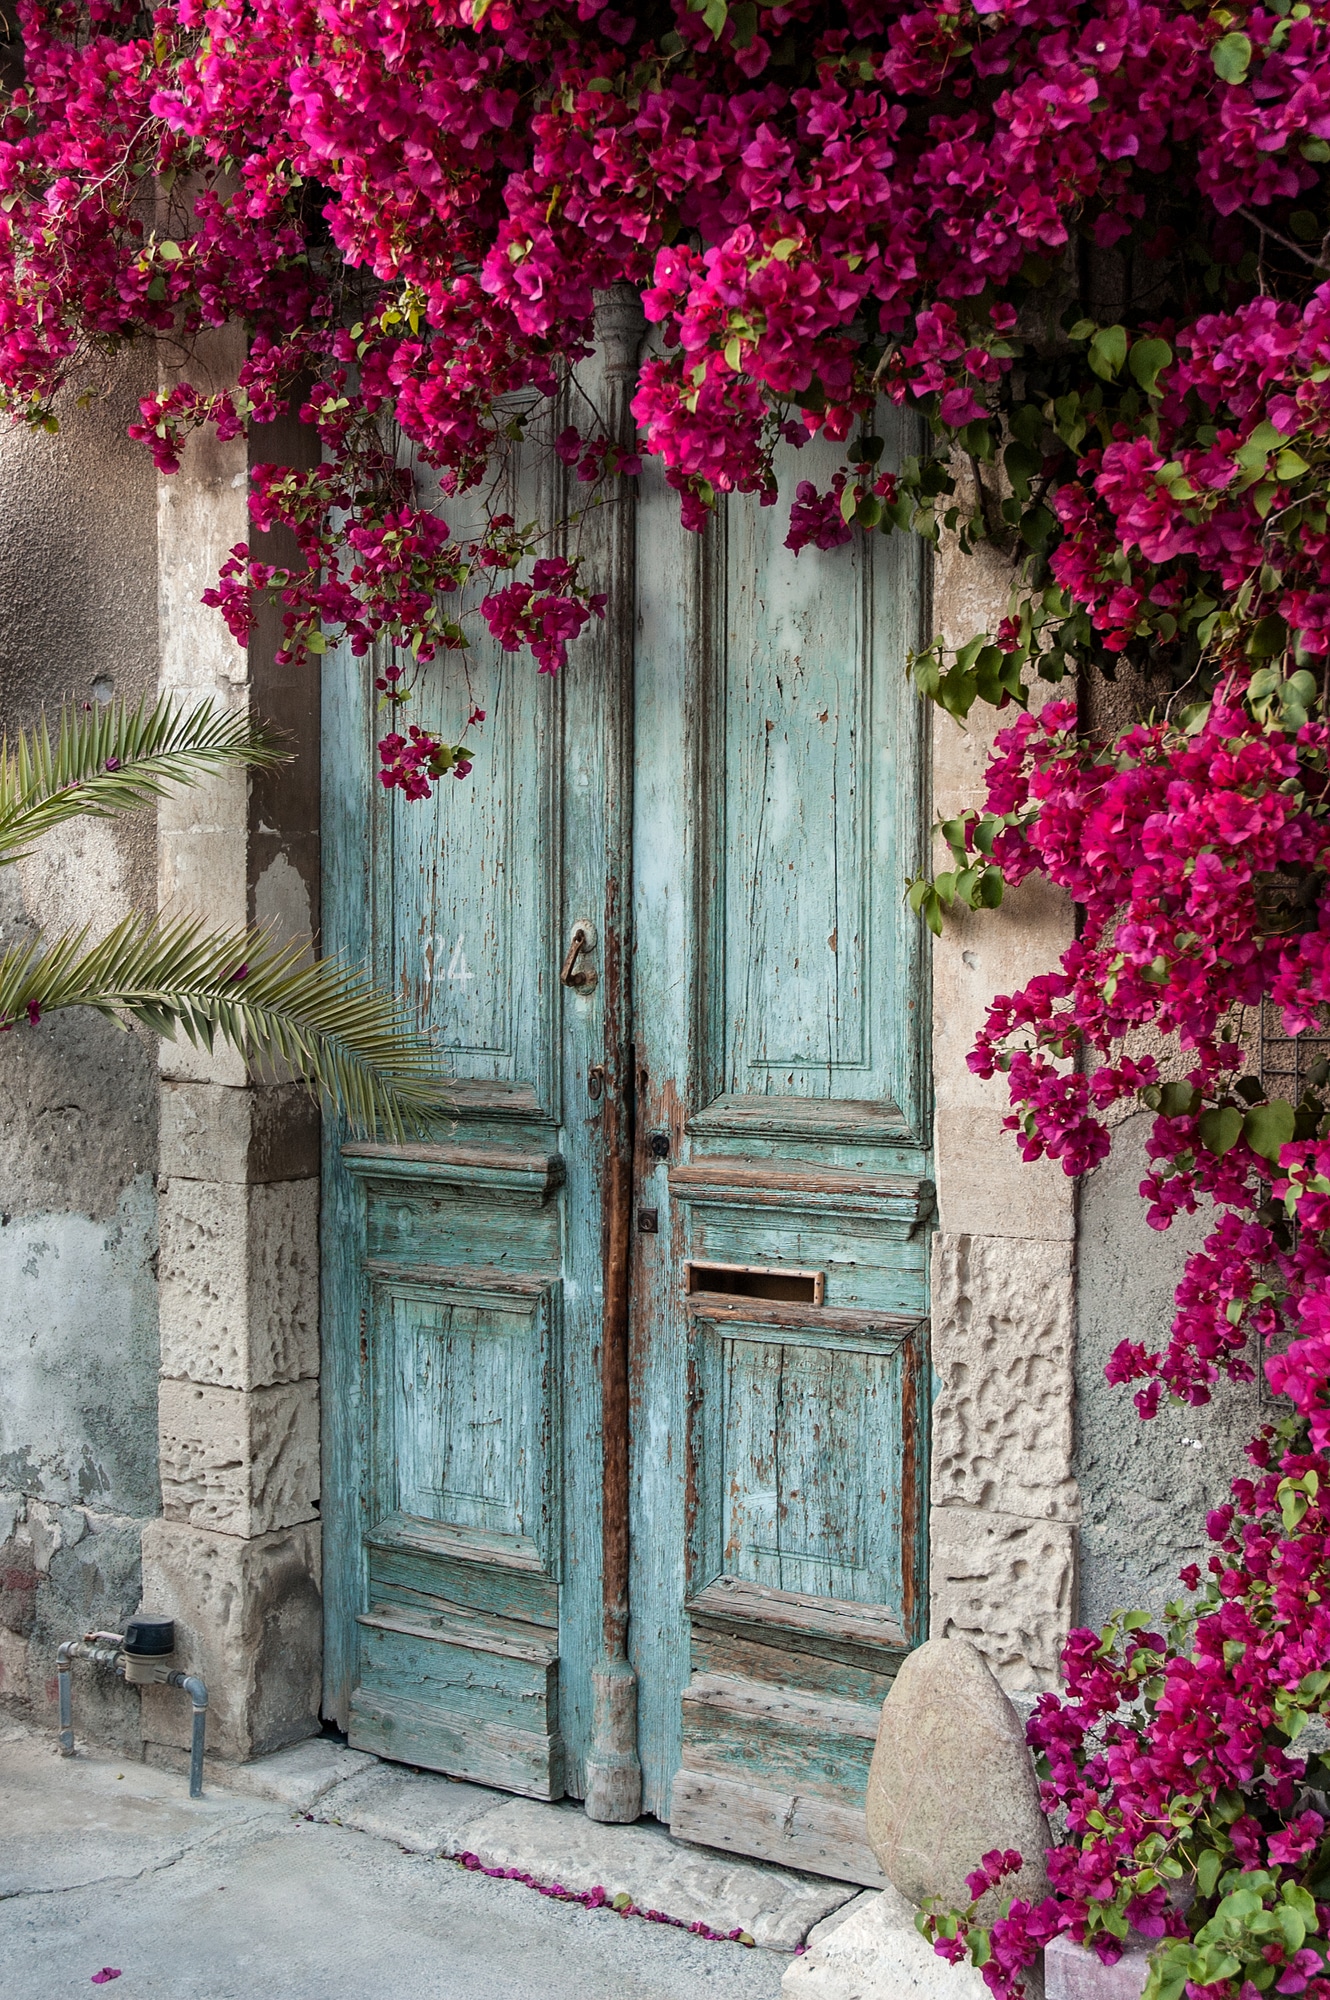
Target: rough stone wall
235, 1557
78, 1099
1005, 1508
1145, 1488
1052, 1502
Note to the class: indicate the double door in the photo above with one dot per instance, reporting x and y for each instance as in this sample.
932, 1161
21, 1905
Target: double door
625, 1371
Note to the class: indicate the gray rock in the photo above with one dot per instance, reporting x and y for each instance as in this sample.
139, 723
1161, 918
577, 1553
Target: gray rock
1073, 1973
952, 1778
877, 1954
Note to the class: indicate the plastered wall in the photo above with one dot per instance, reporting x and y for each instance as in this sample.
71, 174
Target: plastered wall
1145, 1487
78, 1099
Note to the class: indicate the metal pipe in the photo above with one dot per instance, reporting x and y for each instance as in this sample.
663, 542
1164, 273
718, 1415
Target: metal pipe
62, 1664
66, 1653
198, 1694
108, 1654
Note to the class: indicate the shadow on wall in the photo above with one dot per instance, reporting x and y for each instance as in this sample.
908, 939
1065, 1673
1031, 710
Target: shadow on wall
1145, 1487
78, 1099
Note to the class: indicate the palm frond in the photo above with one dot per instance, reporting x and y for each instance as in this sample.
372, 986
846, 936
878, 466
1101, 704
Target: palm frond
346, 1039
114, 759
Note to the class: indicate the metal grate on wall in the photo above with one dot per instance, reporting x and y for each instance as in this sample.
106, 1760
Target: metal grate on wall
1286, 1061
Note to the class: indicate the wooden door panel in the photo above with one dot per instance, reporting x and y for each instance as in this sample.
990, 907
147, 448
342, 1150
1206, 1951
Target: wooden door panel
468, 891
463, 1401
780, 1000
812, 780
809, 1490
457, 1655
474, 1616
802, 1459
793, 880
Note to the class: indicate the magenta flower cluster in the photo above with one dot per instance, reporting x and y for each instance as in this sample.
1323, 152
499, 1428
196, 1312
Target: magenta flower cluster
411, 204
1190, 851
1172, 1763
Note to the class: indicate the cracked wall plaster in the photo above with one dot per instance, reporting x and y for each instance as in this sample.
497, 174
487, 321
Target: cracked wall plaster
1145, 1487
78, 1098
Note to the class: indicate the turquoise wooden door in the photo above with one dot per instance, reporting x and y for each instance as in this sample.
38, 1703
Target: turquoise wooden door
625, 1380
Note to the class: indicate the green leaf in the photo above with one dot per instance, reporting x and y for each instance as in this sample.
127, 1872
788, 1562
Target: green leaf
1221, 1129
1252, 454
1208, 1867
1267, 1127
115, 759
1147, 358
1108, 351
1038, 528
1268, 638
1302, 1901
1232, 58
1022, 462
714, 12
1290, 464
1293, 1929
348, 1041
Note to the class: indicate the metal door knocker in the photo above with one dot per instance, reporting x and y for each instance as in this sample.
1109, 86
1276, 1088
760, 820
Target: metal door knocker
580, 977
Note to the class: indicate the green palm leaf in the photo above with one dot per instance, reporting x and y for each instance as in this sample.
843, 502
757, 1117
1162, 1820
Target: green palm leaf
342, 1036
113, 759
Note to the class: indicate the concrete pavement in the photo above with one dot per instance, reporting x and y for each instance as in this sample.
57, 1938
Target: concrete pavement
107, 1864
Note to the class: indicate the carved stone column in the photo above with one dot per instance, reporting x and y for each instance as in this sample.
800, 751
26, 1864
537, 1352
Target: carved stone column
235, 1556
1005, 1505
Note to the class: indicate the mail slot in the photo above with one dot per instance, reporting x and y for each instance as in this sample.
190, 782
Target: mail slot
758, 1281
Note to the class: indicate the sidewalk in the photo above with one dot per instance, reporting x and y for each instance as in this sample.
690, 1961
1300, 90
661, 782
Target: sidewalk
336, 1886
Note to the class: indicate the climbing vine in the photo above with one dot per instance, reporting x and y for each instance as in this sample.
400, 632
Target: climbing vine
1086, 245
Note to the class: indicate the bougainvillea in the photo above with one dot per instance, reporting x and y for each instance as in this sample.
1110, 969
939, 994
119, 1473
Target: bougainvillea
411, 204
1087, 244
1189, 1810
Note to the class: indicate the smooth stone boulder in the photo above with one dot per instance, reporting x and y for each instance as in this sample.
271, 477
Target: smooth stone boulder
951, 1779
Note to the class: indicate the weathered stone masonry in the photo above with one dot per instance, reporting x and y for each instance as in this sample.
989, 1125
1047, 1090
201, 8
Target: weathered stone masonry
1005, 1506
235, 1556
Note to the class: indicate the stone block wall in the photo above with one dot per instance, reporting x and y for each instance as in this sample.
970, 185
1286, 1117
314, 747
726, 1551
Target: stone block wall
234, 1557
1005, 1504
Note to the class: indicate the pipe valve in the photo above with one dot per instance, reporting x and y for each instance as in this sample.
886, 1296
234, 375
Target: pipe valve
143, 1655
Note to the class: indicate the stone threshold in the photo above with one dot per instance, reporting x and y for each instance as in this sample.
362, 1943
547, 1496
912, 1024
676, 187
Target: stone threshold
777, 1908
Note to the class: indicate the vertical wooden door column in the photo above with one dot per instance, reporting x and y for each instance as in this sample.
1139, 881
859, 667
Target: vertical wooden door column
475, 1387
